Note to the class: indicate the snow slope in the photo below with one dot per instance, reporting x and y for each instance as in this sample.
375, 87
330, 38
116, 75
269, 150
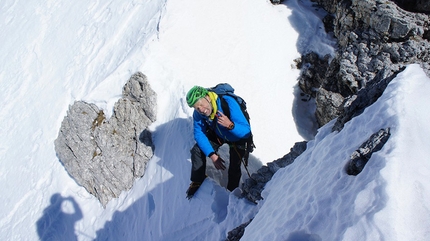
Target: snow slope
388, 200
55, 52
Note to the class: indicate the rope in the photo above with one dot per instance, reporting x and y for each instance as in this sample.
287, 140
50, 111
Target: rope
243, 161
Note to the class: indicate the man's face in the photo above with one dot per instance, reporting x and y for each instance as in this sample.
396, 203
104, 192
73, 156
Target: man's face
203, 106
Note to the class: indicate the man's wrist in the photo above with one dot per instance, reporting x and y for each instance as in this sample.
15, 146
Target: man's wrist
231, 126
213, 156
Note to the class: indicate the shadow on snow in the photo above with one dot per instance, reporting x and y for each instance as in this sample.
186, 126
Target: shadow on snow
59, 218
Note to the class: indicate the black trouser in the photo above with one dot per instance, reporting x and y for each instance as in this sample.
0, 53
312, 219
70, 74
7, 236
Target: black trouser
198, 161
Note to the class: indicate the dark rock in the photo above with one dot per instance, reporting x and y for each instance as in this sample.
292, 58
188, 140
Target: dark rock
419, 6
328, 21
361, 156
313, 72
107, 156
275, 2
237, 233
252, 187
356, 104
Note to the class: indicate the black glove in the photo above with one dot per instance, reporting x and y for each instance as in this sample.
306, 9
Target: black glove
219, 163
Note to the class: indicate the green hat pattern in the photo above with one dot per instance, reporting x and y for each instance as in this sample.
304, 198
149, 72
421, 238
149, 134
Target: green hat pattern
195, 93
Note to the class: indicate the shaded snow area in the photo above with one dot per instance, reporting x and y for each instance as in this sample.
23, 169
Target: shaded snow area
53, 53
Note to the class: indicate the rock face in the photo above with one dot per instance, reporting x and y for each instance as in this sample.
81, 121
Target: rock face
376, 40
106, 156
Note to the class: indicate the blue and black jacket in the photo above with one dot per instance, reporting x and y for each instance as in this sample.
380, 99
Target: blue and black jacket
241, 130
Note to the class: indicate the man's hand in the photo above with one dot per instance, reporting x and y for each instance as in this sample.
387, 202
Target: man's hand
218, 162
223, 119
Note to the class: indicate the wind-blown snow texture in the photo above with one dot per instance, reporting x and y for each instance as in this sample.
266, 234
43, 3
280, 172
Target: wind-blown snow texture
55, 52
386, 201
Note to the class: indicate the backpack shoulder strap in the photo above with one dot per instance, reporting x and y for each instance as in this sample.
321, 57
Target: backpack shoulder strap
224, 106
249, 142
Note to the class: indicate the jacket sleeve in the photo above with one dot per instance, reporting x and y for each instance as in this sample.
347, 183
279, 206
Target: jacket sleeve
241, 129
199, 134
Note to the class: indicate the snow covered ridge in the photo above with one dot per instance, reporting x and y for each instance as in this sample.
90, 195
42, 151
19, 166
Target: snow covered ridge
107, 156
314, 198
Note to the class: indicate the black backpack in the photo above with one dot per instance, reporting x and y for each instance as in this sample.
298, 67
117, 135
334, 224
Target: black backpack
226, 89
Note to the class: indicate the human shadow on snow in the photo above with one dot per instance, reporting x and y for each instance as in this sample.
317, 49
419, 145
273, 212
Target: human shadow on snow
59, 218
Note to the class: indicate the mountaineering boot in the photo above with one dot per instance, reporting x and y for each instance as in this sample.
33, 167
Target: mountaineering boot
193, 189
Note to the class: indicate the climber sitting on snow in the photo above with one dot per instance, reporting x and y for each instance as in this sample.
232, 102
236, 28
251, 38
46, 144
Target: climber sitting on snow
213, 127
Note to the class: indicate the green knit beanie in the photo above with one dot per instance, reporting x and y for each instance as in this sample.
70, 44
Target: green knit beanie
195, 93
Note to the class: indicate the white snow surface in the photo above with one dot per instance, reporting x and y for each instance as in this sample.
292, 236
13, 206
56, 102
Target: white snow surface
53, 53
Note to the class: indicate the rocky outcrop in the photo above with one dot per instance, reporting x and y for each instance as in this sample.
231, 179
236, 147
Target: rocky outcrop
356, 104
376, 40
252, 187
106, 156
361, 156
237, 233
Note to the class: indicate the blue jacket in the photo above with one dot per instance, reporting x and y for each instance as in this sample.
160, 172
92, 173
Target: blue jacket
241, 129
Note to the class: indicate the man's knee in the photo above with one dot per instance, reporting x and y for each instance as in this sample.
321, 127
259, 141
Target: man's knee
197, 157
195, 150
